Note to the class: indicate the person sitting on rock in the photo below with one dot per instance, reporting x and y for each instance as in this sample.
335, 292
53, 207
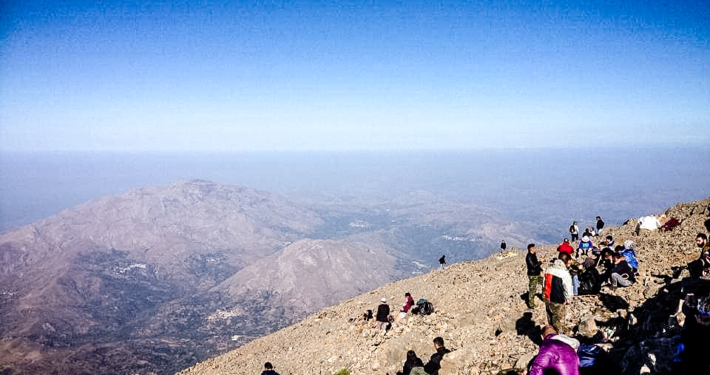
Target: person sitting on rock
589, 280
585, 245
558, 291
610, 242
693, 357
269, 369
565, 247
383, 315
696, 267
557, 355
630, 255
413, 365
432, 367
408, 303
621, 275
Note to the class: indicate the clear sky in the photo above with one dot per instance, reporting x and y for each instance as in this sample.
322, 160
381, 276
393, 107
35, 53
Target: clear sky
352, 75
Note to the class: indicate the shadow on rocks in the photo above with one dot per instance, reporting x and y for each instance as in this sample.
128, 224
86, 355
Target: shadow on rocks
526, 326
612, 302
649, 335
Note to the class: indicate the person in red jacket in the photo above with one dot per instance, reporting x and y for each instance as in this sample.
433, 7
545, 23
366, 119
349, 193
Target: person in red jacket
565, 247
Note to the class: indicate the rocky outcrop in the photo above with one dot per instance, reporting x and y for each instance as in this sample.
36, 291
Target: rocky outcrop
482, 316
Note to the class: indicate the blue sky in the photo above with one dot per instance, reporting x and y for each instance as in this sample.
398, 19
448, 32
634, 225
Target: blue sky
245, 76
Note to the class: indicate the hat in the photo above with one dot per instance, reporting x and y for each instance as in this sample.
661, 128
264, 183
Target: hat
384, 299
585, 238
629, 244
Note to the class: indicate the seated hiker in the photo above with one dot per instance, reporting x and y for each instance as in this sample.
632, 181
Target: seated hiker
413, 365
609, 242
589, 232
585, 245
383, 315
621, 275
565, 247
692, 357
367, 315
696, 267
589, 280
432, 367
408, 302
574, 269
269, 369
630, 255
670, 224
557, 355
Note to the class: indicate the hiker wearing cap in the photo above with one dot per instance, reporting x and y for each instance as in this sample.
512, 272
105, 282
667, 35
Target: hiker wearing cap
585, 245
269, 369
383, 315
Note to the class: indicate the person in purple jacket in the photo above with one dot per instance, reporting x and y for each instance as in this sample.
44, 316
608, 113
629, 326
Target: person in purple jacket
558, 355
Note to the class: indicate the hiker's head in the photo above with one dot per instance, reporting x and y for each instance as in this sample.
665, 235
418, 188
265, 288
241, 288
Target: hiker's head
438, 342
701, 239
548, 330
531, 247
564, 257
609, 238
599, 218
411, 355
407, 294
566, 240
619, 248
617, 257
268, 366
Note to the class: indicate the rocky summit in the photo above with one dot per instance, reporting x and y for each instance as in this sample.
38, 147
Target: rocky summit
481, 313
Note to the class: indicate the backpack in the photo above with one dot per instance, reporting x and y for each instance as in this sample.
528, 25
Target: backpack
588, 283
426, 309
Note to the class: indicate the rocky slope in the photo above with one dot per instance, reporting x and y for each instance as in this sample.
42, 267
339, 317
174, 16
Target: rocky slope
159, 278
481, 314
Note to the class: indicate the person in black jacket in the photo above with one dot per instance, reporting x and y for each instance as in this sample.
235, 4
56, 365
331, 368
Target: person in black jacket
600, 225
412, 363
534, 274
432, 367
269, 369
621, 275
383, 314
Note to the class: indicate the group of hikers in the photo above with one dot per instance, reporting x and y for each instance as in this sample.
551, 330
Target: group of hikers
574, 271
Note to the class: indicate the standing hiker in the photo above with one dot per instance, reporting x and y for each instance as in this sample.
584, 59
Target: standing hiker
534, 274
442, 262
503, 246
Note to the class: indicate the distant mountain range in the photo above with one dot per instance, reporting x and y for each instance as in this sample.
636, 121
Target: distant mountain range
160, 278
